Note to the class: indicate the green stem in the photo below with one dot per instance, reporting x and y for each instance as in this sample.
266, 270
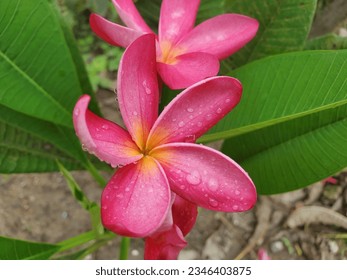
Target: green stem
82, 239
124, 248
95, 173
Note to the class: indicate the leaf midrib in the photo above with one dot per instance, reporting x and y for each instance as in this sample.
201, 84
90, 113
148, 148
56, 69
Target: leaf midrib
35, 84
253, 127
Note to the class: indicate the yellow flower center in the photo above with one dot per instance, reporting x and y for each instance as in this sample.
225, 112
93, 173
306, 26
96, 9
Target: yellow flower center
169, 52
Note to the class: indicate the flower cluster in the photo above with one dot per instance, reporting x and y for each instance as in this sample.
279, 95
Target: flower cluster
185, 54
162, 175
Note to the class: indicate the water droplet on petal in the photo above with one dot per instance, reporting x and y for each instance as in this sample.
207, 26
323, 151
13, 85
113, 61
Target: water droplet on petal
147, 89
135, 113
194, 178
199, 124
219, 110
191, 117
182, 187
227, 100
173, 120
181, 124
189, 138
237, 192
213, 202
84, 148
127, 189
209, 117
104, 126
213, 184
235, 207
76, 112
190, 110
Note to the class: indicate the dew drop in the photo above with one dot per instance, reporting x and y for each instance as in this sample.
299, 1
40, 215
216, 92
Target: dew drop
235, 207
127, 189
190, 110
104, 207
182, 187
219, 110
213, 184
237, 192
209, 117
76, 112
189, 139
181, 124
194, 178
135, 113
227, 100
84, 148
213, 202
147, 89
199, 124
104, 126
173, 120
191, 117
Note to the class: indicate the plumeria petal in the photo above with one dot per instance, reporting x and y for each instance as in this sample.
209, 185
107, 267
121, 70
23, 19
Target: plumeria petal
136, 200
263, 255
195, 111
188, 69
221, 36
113, 33
130, 16
138, 92
108, 141
184, 214
165, 246
177, 17
206, 177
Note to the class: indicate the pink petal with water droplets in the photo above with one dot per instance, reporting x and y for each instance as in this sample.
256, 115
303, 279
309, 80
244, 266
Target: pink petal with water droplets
165, 246
108, 141
184, 214
206, 177
136, 200
221, 36
188, 69
195, 111
113, 33
130, 16
177, 17
138, 92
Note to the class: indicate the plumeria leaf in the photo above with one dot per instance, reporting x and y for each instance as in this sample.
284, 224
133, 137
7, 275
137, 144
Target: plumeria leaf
41, 77
14, 249
289, 129
327, 42
75, 189
277, 20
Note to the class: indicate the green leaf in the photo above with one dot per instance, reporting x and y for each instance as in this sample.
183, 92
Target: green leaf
75, 188
37, 74
284, 26
327, 42
41, 77
289, 129
14, 249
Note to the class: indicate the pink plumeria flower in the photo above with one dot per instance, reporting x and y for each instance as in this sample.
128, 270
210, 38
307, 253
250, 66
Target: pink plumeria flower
330, 180
156, 154
167, 242
263, 255
185, 54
